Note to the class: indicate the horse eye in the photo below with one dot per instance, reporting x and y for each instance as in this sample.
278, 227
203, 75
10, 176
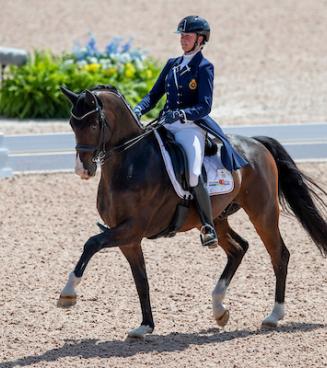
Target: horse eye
94, 126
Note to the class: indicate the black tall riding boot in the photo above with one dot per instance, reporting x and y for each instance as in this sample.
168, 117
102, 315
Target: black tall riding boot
202, 200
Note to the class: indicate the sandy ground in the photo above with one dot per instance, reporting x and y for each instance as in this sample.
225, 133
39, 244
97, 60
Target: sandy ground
271, 67
44, 222
270, 57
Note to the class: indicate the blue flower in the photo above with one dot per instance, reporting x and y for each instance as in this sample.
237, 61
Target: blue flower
78, 51
127, 46
115, 51
113, 46
91, 47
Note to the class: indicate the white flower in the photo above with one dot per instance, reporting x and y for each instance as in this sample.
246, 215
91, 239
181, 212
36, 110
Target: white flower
81, 63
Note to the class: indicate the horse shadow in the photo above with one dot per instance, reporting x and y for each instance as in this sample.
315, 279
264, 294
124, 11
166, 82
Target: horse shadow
174, 341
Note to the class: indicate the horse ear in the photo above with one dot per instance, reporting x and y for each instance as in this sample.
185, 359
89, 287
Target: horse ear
90, 99
69, 94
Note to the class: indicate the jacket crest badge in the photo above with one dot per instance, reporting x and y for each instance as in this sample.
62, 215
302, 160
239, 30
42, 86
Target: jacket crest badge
192, 85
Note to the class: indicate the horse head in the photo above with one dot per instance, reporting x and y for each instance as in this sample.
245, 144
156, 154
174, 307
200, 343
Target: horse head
98, 119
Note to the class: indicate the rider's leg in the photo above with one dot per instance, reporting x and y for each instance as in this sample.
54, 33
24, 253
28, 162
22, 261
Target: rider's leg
193, 140
203, 204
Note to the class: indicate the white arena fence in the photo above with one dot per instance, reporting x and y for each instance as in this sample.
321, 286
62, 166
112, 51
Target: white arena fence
5, 171
56, 152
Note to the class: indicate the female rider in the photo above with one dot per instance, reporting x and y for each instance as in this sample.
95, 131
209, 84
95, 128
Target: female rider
187, 82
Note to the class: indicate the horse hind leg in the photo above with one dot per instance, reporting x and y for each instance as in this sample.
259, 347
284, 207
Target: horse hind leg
279, 257
266, 225
235, 248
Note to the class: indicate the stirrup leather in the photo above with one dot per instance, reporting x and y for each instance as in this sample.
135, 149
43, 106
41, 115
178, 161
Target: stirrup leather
208, 236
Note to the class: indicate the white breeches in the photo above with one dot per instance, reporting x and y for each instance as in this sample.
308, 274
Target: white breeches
192, 138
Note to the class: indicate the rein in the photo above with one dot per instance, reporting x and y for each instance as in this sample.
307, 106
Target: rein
100, 152
150, 128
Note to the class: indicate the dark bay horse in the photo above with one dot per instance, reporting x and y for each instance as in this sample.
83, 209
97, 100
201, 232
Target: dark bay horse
136, 199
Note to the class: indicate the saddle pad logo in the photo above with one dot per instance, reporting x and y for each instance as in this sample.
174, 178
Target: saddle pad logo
193, 84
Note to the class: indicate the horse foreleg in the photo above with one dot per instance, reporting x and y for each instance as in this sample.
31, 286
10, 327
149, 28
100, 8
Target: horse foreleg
135, 258
115, 237
68, 295
235, 247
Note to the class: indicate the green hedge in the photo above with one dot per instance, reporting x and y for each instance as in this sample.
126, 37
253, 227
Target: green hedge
32, 90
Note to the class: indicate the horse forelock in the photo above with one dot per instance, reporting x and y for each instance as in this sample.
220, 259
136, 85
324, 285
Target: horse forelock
82, 107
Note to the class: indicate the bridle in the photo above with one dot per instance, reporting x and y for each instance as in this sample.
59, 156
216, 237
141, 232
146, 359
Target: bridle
100, 153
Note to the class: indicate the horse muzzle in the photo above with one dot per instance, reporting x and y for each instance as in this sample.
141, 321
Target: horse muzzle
85, 170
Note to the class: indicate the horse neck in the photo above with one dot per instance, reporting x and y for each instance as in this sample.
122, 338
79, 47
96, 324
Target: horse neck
146, 150
124, 126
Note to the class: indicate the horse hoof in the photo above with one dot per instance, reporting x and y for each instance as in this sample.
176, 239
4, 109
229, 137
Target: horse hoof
66, 301
222, 320
268, 324
140, 332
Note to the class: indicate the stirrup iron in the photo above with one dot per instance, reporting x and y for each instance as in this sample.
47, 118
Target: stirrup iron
208, 237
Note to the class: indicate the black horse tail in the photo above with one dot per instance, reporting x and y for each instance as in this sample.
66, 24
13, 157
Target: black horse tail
299, 192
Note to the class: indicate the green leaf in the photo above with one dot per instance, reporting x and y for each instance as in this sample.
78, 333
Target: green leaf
33, 90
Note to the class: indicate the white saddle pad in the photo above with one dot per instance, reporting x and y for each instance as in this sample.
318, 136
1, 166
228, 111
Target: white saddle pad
220, 180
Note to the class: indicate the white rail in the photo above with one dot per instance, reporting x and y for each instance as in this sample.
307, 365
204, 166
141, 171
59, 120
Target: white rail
56, 152
5, 171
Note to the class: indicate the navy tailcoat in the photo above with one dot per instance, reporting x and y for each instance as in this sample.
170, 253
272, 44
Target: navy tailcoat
189, 89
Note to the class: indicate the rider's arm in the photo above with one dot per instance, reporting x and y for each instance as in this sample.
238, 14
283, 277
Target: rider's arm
205, 90
157, 91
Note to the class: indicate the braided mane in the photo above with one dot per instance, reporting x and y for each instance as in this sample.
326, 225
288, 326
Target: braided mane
106, 87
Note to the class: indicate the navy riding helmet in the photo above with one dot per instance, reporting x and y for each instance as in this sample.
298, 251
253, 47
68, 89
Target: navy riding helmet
194, 24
